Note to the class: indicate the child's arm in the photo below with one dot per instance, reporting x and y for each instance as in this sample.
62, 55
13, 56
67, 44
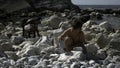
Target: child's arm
83, 37
64, 34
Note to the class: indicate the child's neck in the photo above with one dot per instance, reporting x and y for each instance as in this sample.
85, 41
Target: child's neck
78, 30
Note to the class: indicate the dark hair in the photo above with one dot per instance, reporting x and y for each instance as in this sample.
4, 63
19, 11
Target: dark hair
77, 23
85, 18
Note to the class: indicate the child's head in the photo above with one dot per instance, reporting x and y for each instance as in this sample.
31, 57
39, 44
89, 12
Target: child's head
77, 22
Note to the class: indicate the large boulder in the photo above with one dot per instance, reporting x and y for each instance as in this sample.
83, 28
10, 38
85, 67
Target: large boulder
86, 26
53, 21
89, 36
102, 40
64, 25
106, 27
29, 51
55, 5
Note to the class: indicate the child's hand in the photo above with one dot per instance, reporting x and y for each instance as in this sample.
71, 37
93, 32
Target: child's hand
60, 38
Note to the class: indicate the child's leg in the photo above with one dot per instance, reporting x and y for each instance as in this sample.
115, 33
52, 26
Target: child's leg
68, 44
84, 49
37, 31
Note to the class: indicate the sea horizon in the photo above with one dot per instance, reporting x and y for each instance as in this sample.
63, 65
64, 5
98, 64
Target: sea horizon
100, 6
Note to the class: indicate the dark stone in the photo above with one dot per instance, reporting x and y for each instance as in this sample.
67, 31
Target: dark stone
115, 44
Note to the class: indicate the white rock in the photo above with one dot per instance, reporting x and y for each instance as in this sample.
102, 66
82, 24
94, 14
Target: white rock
86, 26
105, 26
91, 62
53, 21
64, 25
32, 61
21, 60
29, 51
107, 60
75, 65
111, 65
57, 65
73, 55
89, 36
96, 65
116, 59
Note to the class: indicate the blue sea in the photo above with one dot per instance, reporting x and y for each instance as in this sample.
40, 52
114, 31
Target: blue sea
100, 6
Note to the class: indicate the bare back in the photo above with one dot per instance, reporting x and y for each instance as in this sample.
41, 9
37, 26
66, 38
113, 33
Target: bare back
76, 35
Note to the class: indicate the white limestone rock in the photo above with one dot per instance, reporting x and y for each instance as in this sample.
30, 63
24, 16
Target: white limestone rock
53, 21
86, 26
106, 27
71, 55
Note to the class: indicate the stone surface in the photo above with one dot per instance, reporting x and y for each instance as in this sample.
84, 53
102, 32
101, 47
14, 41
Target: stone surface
53, 21
114, 43
6, 46
117, 65
91, 48
29, 51
101, 54
106, 27
102, 40
86, 26
17, 39
12, 55
71, 55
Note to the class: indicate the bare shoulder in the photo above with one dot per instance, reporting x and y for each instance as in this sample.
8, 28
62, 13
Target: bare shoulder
82, 32
67, 31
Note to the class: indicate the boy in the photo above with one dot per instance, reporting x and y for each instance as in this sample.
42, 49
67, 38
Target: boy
73, 36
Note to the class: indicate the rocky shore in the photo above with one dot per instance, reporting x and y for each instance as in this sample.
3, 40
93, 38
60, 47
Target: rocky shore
102, 35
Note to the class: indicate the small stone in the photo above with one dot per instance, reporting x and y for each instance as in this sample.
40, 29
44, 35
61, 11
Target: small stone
75, 65
111, 65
